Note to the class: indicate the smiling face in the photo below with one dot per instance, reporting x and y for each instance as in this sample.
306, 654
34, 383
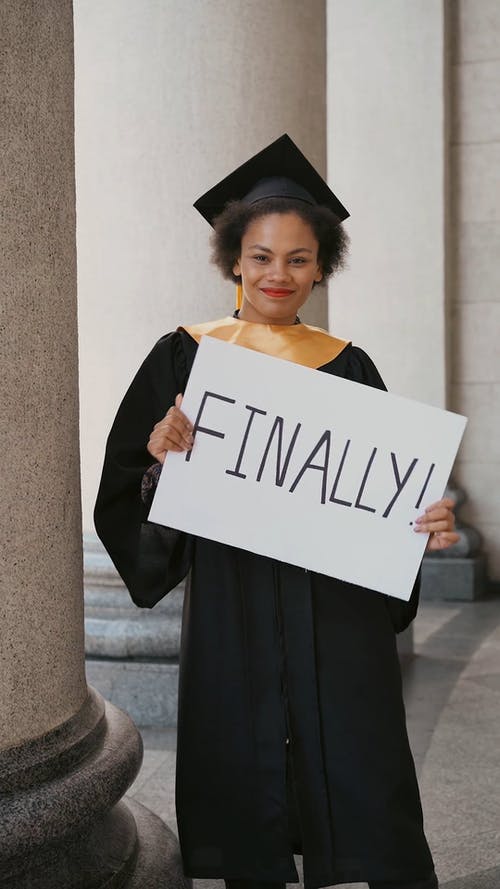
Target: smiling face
278, 267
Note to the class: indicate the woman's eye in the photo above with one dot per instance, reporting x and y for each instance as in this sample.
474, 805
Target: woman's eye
294, 260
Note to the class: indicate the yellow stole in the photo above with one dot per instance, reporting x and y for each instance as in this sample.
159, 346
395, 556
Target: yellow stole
300, 343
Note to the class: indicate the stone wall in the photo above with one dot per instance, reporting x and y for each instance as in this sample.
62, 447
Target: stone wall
475, 178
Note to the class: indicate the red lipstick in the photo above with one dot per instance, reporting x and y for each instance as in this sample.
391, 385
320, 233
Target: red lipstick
276, 291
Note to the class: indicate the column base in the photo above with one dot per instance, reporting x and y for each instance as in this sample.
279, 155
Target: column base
63, 824
454, 579
158, 861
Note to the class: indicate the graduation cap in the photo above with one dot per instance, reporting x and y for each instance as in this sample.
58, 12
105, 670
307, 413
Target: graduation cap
280, 170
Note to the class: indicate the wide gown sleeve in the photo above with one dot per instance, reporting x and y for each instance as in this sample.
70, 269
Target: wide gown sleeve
150, 558
362, 369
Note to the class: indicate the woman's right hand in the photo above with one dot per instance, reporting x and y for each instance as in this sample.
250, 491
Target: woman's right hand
173, 433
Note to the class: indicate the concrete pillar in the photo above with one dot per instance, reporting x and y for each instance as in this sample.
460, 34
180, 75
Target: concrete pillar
66, 758
42, 680
475, 153
169, 97
387, 146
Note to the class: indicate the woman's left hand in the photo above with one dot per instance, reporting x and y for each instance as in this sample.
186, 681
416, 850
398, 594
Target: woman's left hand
438, 521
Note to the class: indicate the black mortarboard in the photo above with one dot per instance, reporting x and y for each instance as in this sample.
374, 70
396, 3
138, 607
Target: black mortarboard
280, 170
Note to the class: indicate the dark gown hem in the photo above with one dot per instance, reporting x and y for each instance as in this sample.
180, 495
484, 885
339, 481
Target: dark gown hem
215, 873
337, 878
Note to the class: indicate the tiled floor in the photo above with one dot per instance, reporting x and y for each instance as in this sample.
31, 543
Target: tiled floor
452, 692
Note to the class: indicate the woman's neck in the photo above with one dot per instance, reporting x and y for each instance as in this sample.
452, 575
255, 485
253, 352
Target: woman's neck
244, 314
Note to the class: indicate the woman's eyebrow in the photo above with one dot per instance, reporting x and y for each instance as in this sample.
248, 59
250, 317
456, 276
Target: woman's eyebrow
290, 252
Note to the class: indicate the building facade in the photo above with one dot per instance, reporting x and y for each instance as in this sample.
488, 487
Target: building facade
397, 102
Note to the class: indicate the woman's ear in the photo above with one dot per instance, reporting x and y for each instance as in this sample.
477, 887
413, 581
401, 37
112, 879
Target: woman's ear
319, 275
236, 268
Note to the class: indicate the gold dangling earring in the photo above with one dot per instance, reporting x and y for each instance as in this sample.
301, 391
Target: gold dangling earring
239, 296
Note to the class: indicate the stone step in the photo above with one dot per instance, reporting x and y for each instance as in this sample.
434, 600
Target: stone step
110, 602
133, 637
114, 626
132, 653
100, 571
146, 690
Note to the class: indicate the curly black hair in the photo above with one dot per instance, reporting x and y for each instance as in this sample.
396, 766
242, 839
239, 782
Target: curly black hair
232, 223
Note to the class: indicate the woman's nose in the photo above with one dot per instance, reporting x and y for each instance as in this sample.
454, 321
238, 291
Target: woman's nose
279, 270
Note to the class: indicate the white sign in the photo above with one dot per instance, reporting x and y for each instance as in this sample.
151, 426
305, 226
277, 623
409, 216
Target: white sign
306, 467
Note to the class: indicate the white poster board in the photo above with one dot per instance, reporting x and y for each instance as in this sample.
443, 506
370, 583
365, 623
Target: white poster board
306, 467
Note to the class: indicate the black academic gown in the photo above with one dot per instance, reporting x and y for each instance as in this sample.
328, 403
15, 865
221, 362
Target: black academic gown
269, 652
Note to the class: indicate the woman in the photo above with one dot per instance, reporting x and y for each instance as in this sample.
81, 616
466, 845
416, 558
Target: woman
291, 730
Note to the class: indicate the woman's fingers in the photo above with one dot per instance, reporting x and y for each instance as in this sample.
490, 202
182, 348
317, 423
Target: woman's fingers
167, 436
173, 433
438, 520
441, 540
175, 419
433, 527
162, 441
174, 428
437, 517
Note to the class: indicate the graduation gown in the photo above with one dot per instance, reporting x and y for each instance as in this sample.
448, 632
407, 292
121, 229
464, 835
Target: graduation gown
288, 678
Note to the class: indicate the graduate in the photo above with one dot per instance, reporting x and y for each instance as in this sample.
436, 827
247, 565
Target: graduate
291, 732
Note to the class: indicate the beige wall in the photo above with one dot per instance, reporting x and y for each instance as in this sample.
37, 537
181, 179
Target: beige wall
169, 96
475, 151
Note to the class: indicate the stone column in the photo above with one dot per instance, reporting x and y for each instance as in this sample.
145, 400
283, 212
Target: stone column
66, 758
475, 211
387, 148
170, 97
42, 680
